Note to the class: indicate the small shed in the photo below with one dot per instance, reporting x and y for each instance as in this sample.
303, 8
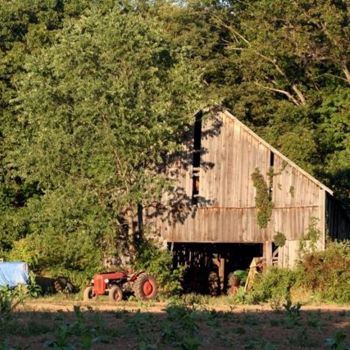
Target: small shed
232, 187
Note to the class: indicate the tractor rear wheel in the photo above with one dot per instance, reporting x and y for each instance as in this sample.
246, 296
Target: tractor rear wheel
115, 294
145, 287
88, 293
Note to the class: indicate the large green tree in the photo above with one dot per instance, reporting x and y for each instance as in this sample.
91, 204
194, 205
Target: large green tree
97, 111
25, 27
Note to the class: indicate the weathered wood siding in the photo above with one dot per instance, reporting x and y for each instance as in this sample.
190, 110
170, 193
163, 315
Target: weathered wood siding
226, 204
297, 201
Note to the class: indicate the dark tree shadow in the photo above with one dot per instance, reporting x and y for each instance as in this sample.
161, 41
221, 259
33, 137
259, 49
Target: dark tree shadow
180, 204
174, 326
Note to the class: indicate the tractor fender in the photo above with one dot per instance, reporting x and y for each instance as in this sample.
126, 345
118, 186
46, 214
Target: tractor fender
134, 276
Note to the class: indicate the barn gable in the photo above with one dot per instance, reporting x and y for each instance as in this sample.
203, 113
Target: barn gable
214, 198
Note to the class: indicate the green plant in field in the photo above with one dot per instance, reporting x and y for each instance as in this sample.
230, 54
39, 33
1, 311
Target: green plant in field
190, 343
269, 346
10, 298
61, 341
4, 345
143, 346
293, 312
301, 337
314, 320
337, 342
139, 323
180, 328
86, 334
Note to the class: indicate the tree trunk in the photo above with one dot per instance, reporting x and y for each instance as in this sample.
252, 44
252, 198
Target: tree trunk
131, 233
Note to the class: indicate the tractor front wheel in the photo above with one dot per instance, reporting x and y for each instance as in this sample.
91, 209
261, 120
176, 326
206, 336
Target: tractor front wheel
115, 294
145, 287
88, 293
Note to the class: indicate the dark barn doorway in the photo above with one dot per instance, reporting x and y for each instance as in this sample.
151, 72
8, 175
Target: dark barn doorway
210, 265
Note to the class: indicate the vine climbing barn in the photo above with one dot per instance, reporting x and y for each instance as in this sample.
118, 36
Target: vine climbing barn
214, 199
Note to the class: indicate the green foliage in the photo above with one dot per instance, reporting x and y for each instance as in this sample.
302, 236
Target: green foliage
91, 110
274, 286
324, 273
10, 298
159, 263
293, 311
309, 240
327, 272
180, 328
279, 239
263, 201
336, 342
95, 95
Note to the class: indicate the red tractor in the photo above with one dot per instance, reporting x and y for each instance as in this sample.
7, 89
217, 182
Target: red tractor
116, 284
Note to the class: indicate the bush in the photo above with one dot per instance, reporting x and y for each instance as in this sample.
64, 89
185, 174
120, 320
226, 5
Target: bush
274, 286
159, 263
327, 272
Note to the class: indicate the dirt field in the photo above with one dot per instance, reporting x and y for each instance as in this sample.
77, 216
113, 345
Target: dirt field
42, 324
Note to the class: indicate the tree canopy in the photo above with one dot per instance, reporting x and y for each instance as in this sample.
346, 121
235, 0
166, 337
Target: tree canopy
95, 94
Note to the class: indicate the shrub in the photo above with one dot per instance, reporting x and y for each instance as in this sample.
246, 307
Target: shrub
274, 286
327, 272
159, 263
10, 298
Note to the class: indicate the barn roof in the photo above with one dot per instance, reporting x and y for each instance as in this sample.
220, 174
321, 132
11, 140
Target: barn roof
274, 150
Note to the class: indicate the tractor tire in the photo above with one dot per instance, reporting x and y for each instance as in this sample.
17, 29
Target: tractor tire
115, 294
88, 293
145, 287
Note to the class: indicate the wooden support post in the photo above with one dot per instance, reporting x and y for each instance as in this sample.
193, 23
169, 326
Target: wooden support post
268, 253
222, 273
220, 263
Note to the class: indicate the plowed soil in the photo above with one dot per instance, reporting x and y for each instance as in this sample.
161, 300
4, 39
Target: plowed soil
41, 324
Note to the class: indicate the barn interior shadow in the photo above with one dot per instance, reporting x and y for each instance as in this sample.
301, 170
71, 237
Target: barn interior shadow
179, 203
173, 326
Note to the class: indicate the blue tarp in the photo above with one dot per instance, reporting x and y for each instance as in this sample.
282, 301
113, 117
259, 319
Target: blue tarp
13, 273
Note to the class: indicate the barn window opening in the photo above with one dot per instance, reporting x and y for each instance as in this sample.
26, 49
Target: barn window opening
197, 135
271, 173
196, 161
272, 159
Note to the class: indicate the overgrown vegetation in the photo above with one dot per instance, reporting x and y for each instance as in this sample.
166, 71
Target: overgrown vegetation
10, 298
274, 286
309, 241
279, 239
94, 95
159, 263
263, 200
325, 274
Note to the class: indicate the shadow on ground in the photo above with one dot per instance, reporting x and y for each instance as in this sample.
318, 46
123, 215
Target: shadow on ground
175, 327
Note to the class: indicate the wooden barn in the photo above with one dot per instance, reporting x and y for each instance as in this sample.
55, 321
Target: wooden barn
235, 194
